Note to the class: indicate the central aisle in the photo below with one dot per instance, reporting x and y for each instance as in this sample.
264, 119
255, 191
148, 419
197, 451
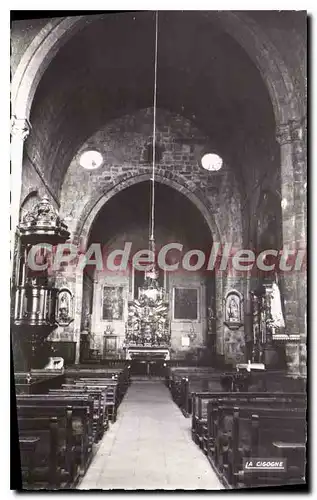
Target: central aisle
149, 447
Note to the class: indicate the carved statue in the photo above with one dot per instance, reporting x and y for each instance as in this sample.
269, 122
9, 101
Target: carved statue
64, 308
233, 308
276, 308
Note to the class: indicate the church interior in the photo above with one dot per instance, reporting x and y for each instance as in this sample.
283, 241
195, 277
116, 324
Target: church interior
169, 133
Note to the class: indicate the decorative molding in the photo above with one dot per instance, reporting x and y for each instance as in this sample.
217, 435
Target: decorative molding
43, 219
292, 131
20, 127
297, 129
283, 134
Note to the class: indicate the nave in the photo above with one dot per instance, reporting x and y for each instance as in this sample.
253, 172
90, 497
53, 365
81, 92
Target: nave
182, 134
149, 447
101, 428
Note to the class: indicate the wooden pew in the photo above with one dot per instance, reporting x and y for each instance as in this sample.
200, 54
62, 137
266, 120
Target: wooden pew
182, 387
121, 375
47, 450
93, 389
82, 422
112, 397
201, 400
187, 380
28, 446
99, 417
266, 427
221, 424
218, 438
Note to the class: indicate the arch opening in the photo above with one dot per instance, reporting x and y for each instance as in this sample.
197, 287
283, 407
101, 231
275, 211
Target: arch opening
180, 226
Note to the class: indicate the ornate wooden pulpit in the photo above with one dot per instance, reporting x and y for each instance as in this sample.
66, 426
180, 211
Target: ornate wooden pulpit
39, 306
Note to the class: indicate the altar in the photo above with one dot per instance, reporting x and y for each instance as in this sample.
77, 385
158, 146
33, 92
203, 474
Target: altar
147, 353
148, 332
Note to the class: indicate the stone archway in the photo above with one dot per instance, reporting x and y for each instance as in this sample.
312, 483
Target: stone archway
93, 209
238, 25
289, 111
181, 185
55, 34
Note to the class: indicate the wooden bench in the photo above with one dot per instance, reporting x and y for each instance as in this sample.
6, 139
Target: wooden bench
27, 445
82, 421
201, 400
187, 380
264, 427
182, 387
223, 442
47, 450
112, 398
99, 417
93, 389
121, 375
219, 427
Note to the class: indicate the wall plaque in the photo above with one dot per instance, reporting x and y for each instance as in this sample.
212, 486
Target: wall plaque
185, 303
112, 303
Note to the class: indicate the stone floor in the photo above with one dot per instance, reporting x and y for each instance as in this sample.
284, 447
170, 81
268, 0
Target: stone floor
149, 447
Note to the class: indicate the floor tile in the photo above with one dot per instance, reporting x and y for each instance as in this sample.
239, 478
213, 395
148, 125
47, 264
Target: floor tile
149, 447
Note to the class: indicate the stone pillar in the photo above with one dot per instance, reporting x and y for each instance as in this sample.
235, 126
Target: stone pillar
78, 312
20, 129
234, 339
291, 137
219, 314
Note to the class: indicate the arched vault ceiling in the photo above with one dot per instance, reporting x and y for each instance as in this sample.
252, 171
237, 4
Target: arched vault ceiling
107, 70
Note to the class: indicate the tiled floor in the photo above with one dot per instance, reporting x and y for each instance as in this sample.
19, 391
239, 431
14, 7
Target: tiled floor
149, 447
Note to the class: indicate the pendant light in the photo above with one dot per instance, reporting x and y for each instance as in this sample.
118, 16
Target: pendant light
151, 287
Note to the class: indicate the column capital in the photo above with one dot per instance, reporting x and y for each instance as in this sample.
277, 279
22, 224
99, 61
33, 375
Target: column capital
291, 131
20, 127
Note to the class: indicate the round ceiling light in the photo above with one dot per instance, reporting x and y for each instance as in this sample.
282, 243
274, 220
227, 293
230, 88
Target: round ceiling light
91, 160
211, 162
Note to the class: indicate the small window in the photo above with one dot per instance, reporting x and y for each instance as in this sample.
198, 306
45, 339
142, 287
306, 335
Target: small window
211, 162
90, 160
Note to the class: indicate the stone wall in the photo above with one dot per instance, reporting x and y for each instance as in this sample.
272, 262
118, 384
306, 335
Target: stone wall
234, 197
180, 278
123, 143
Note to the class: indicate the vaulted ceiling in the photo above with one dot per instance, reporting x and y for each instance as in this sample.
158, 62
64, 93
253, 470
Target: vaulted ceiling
107, 70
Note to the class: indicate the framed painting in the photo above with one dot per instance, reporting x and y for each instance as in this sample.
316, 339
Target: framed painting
112, 303
186, 304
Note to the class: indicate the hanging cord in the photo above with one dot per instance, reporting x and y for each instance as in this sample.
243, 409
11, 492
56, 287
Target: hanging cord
154, 134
